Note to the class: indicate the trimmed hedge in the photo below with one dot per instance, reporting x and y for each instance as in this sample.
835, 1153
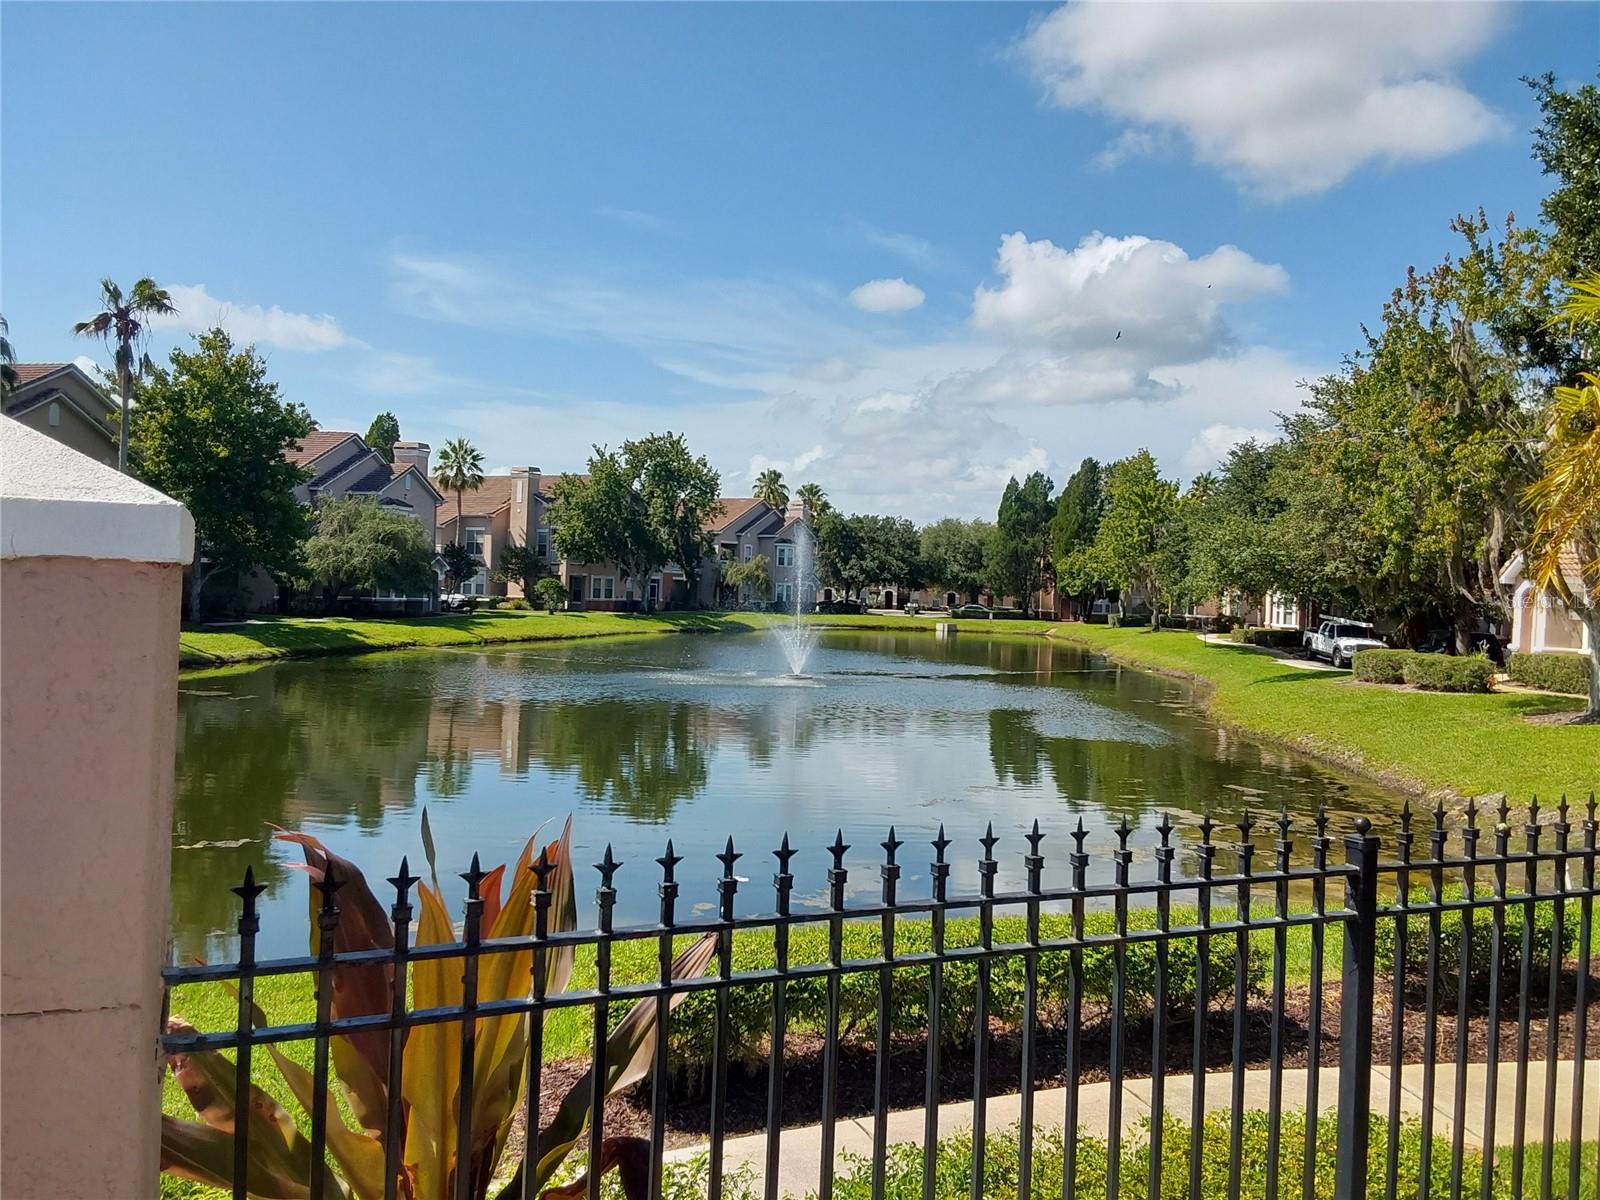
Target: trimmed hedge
1381, 666
1131, 621
1482, 966
1551, 672
1449, 673
750, 1017
1277, 639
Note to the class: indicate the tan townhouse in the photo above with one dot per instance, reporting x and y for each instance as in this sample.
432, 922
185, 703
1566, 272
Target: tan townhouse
62, 402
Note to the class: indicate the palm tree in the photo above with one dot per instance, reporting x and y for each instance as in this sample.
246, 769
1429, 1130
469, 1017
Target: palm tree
8, 372
771, 488
460, 470
122, 322
813, 499
1566, 498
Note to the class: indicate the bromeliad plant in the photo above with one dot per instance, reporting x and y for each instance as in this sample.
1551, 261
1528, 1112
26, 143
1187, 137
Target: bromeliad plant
279, 1166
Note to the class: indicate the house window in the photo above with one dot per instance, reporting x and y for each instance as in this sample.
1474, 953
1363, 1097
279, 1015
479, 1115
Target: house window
478, 585
602, 587
749, 552
55, 414
784, 592
407, 478
786, 554
543, 543
474, 543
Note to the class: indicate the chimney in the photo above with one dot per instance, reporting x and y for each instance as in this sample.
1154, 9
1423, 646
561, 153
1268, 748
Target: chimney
413, 453
794, 512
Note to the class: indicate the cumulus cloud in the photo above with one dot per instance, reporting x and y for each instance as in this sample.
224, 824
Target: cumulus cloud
1288, 99
887, 296
1211, 445
199, 310
1165, 306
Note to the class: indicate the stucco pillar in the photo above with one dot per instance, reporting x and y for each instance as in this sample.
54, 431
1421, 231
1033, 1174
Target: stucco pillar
91, 575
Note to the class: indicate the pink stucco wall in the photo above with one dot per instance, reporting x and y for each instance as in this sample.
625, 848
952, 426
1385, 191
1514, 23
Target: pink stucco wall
86, 764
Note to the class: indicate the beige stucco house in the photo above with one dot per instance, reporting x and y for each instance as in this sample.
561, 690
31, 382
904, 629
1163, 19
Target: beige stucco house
341, 464
1540, 622
747, 527
61, 401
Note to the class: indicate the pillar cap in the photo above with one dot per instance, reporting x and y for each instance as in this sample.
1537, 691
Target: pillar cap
58, 503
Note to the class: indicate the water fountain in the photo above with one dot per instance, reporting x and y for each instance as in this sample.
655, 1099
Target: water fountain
796, 637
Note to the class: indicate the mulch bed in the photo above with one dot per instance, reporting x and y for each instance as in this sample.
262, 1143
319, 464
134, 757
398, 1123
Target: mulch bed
688, 1119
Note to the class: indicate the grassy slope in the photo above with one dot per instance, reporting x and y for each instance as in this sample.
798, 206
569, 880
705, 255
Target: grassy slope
303, 637
1467, 744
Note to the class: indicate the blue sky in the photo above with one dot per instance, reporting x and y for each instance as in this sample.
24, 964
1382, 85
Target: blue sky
888, 248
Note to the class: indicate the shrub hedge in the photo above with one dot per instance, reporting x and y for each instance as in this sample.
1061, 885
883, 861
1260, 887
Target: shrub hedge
1482, 965
1449, 673
1128, 621
1567, 673
1381, 666
1278, 639
903, 1164
694, 1021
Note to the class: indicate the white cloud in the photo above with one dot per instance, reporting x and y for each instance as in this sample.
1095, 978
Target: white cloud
251, 324
887, 296
1287, 99
1211, 445
765, 375
1120, 303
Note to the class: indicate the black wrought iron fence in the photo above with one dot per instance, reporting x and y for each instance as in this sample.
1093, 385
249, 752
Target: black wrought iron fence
1454, 958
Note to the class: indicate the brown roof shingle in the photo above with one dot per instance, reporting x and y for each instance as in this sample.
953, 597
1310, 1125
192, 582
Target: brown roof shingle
28, 372
494, 495
734, 508
313, 445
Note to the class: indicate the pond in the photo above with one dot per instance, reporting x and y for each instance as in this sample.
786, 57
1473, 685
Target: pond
700, 738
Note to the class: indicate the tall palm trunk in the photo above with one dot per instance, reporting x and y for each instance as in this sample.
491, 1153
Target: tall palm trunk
124, 385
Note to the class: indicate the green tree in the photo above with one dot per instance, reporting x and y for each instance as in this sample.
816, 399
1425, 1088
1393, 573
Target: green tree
679, 491
1073, 529
460, 470
521, 565
460, 564
1235, 546
771, 488
1565, 549
606, 519
1140, 506
359, 546
813, 500
1018, 558
210, 431
1566, 145
8, 358
552, 593
753, 575
839, 558
122, 323
952, 555
383, 433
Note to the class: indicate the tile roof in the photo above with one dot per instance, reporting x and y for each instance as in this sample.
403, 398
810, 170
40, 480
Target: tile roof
28, 372
375, 480
734, 508
494, 495
316, 443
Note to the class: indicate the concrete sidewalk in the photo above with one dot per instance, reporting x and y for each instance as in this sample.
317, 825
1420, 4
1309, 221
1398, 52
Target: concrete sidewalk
800, 1161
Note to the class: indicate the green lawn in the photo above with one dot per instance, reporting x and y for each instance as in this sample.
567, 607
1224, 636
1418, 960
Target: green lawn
1467, 744
265, 638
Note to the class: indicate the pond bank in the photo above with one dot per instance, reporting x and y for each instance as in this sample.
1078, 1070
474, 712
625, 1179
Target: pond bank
1458, 745
268, 639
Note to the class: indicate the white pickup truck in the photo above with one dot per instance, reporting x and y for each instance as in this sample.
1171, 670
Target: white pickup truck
1337, 640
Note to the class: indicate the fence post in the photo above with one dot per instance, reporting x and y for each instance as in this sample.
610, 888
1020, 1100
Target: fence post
1356, 995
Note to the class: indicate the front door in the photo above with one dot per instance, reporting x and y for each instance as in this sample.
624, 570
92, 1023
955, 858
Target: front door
575, 588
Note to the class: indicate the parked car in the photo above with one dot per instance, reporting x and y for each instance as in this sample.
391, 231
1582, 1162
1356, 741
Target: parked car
1484, 643
912, 608
1338, 639
839, 607
454, 601
971, 610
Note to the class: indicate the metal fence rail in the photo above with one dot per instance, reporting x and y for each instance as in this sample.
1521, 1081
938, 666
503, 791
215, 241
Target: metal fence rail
1426, 900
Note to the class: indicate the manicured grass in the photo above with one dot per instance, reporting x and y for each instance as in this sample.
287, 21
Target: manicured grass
1466, 744
264, 638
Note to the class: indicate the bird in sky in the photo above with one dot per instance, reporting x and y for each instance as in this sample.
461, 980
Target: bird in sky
1118, 338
